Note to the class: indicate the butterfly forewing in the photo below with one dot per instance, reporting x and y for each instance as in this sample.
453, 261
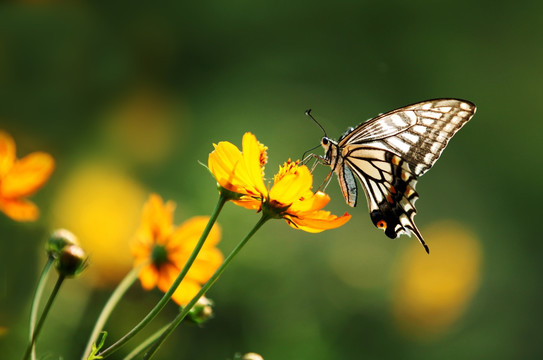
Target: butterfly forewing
389, 152
418, 133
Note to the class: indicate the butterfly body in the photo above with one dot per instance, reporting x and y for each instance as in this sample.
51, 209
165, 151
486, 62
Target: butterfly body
389, 152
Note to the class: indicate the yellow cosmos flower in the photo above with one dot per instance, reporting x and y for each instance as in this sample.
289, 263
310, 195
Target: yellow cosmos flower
20, 178
290, 197
163, 249
240, 171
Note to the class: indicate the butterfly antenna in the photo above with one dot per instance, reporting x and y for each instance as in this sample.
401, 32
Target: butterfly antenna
308, 113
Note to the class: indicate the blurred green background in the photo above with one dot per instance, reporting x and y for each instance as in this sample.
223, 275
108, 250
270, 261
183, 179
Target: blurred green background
129, 96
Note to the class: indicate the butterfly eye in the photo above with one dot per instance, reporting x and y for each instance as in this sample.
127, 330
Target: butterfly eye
324, 141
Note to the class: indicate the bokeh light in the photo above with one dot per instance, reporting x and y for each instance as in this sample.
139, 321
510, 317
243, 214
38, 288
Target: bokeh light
432, 292
145, 126
102, 205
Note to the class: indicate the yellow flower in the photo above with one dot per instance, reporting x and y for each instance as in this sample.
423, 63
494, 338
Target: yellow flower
289, 198
163, 249
240, 172
20, 178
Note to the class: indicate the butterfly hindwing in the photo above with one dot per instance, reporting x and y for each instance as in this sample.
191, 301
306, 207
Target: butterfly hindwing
348, 185
389, 187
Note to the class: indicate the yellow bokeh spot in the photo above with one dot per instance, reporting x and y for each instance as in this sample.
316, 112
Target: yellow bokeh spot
144, 126
101, 205
432, 291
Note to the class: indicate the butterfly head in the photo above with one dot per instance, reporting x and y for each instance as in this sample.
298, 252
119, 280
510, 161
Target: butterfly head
330, 150
327, 142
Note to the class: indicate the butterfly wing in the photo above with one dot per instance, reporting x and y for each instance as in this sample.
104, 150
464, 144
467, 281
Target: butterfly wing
418, 133
389, 186
388, 154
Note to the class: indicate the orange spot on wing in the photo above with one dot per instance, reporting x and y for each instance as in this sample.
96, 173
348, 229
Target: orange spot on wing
389, 199
381, 224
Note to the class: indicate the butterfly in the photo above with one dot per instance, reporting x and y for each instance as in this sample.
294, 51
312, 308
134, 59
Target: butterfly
388, 153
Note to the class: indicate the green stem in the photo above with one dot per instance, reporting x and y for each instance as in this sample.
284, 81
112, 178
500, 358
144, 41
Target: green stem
160, 305
113, 300
46, 309
145, 344
203, 290
36, 301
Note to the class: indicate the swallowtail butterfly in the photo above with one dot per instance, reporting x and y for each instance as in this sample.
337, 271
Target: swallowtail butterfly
388, 153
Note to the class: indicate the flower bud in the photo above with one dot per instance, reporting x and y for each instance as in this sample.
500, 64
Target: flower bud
58, 240
201, 311
252, 356
72, 260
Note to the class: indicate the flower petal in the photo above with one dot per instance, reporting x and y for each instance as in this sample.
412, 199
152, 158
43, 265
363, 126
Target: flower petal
292, 186
223, 162
251, 156
148, 277
7, 153
239, 172
166, 276
141, 248
317, 221
311, 202
27, 175
205, 265
157, 219
19, 209
186, 236
249, 203
185, 292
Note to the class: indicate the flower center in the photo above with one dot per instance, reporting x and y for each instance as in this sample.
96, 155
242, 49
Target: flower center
159, 255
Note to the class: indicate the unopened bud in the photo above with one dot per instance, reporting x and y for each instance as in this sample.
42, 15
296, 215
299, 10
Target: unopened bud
72, 260
201, 311
58, 240
252, 356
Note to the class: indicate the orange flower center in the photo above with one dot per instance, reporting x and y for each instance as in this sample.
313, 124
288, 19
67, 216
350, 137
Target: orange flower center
263, 154
289, 167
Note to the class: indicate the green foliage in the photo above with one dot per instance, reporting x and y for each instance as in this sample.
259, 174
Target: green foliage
96, 348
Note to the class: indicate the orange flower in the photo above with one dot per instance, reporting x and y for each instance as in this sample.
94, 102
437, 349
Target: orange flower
290, 197
20, 178
240, 172
164, 249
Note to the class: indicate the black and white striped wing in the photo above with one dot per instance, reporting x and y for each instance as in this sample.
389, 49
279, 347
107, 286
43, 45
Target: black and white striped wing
418, 133
388, 154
